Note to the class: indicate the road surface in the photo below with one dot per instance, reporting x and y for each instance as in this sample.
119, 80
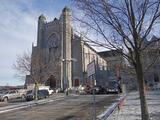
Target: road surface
79, 107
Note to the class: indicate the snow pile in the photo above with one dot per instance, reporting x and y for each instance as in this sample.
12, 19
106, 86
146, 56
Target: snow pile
131, 109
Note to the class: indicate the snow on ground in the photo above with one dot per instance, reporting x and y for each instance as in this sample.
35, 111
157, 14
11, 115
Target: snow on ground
131, 108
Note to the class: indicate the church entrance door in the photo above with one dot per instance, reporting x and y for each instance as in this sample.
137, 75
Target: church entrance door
51, 82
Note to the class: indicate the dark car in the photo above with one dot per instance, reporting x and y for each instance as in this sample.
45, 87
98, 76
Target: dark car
113, 87
95, 89
42, 94
30, 95
98, 90
102, 90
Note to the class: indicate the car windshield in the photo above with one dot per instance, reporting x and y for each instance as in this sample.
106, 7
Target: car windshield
29, 92
3, 92
113, 83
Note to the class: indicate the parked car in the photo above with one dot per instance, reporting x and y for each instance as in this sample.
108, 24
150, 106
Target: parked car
46, 88
102, 90
41, 94
95, 89
13, 94
30, 95
98, 90
113, 87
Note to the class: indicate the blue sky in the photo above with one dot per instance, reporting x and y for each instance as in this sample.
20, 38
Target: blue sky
18, 21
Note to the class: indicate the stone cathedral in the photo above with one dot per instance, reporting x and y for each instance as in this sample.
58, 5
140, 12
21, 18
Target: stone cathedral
61, 56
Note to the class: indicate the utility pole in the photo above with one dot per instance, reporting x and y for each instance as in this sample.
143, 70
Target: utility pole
91, 71
94, 100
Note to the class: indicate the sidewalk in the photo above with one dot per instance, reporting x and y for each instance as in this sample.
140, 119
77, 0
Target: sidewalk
131, 107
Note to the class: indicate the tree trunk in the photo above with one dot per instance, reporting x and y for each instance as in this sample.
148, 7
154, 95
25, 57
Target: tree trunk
141, 84
36, 91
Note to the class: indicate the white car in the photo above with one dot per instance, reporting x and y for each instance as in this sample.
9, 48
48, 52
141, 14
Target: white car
12, 94
46, 88
50, 91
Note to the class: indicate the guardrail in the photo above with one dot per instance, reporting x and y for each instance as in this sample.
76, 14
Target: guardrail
105, 115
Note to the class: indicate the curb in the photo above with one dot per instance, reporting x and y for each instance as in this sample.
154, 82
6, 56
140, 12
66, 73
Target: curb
28, 104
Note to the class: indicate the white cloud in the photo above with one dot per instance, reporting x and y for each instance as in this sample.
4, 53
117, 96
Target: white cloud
18, 29
17, 32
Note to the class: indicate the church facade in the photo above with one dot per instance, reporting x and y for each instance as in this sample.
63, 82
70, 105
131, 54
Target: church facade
61, 56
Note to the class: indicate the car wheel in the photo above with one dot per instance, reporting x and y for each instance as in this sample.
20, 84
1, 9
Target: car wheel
5, 99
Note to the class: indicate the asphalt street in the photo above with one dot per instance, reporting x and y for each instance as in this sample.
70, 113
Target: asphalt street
73, 107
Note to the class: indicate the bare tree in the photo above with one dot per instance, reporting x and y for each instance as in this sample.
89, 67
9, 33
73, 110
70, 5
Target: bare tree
27, 65
123, 24
22, 65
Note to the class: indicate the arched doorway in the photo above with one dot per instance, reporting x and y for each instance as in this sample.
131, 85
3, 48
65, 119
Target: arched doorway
76, 82
51, 82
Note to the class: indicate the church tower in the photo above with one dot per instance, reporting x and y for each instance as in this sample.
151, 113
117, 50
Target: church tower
66, 50
41, 24
52, 57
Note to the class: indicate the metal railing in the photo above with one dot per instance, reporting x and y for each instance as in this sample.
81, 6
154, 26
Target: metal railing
105, 115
